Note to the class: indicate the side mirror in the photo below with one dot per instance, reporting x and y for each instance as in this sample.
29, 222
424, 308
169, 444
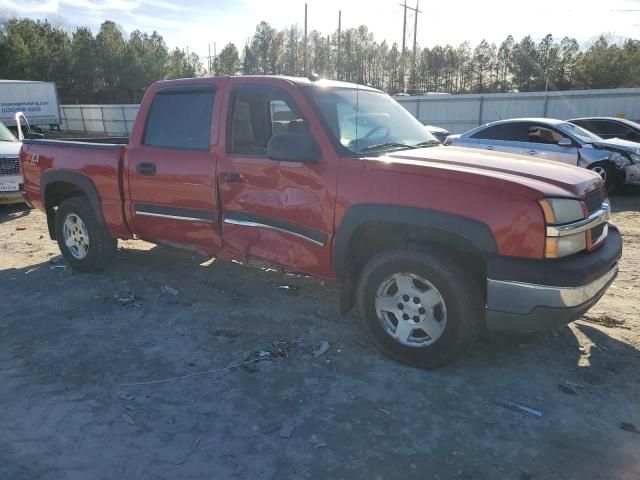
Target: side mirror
290, 147
565, 142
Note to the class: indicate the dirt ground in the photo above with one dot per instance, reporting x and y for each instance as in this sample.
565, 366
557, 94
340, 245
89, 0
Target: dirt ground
74, 346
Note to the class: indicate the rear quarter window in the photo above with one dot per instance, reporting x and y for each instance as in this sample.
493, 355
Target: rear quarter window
180, 118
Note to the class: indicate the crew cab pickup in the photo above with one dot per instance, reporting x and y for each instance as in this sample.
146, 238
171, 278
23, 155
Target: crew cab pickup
338, 181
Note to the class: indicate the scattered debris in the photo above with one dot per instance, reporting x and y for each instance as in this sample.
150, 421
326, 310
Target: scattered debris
605, 320
128, 419
125, 298
21, 228
127, 398
54, 267
322, 349
169, 290
317, 443
629, 427
566, 389
287, 430
386, 412
285, 348
518, 407
288, 288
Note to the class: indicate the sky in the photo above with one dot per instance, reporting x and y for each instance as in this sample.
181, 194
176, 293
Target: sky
197, 24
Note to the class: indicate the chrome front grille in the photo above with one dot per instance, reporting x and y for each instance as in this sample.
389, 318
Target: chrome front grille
9, 166
593, 200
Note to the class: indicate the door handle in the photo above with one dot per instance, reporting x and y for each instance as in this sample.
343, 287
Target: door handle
532, 152
147, 169
231, 177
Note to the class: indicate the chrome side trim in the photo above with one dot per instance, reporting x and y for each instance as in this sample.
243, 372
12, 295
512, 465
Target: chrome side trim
173, 217
522, 298
247, 223
596, 218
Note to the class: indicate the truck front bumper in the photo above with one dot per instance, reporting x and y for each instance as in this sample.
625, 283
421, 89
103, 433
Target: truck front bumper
533, 295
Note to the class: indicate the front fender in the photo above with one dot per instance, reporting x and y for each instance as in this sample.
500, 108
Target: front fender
473, 232
591, 156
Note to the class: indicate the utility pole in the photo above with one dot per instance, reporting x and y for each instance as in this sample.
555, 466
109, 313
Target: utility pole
415, 44
306, 73
404, 41
338, 58
210, 71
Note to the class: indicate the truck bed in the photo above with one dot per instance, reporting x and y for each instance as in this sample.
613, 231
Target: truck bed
48, 166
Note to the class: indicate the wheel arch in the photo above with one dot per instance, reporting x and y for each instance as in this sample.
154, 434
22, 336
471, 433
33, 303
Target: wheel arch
58, 185
367, 230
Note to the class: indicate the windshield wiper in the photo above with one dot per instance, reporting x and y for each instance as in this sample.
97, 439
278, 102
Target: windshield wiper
385, 145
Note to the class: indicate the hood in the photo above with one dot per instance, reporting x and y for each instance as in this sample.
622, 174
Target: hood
618, 144
9, 149
494, 169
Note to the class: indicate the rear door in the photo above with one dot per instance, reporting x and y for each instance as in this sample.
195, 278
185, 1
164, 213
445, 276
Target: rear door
171, 170
277, 211
503, 137
543, 143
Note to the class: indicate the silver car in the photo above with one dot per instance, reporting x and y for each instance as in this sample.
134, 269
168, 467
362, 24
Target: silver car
616, 161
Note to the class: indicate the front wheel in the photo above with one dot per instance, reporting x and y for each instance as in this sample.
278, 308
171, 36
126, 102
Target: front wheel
85, 244
609, 175
418, 308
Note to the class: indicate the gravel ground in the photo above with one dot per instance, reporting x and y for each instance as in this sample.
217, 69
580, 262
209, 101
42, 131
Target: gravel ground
88, 367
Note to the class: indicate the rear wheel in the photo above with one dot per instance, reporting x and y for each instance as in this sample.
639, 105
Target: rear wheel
417, 308
609, 175
85, 244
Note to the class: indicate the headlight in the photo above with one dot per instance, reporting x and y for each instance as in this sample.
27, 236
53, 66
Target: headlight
561, 210
634, 157
619, 160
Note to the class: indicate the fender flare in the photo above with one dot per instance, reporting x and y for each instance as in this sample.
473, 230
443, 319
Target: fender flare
79, 180
478, 234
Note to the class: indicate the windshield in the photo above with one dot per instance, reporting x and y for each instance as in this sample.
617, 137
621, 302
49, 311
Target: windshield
365, 121
578, 132
5, 134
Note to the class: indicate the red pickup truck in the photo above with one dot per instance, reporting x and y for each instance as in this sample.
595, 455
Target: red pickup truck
338, 181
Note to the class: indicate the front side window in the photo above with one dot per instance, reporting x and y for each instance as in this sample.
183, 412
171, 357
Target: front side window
256, 114
180, 118
367, 121
540, 134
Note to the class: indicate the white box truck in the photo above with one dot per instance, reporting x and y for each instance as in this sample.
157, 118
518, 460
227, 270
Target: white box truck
37, 100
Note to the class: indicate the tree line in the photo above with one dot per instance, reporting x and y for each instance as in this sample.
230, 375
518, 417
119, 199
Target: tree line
111, 67
106, 68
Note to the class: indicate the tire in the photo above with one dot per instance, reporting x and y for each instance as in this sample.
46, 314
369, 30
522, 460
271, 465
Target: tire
609, 174
91, 247
451, 323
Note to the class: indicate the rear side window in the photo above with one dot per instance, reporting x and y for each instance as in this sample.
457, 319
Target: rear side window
513, 132
180, 118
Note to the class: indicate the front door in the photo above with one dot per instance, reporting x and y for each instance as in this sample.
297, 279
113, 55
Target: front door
171, 172
543, 143
277, 211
